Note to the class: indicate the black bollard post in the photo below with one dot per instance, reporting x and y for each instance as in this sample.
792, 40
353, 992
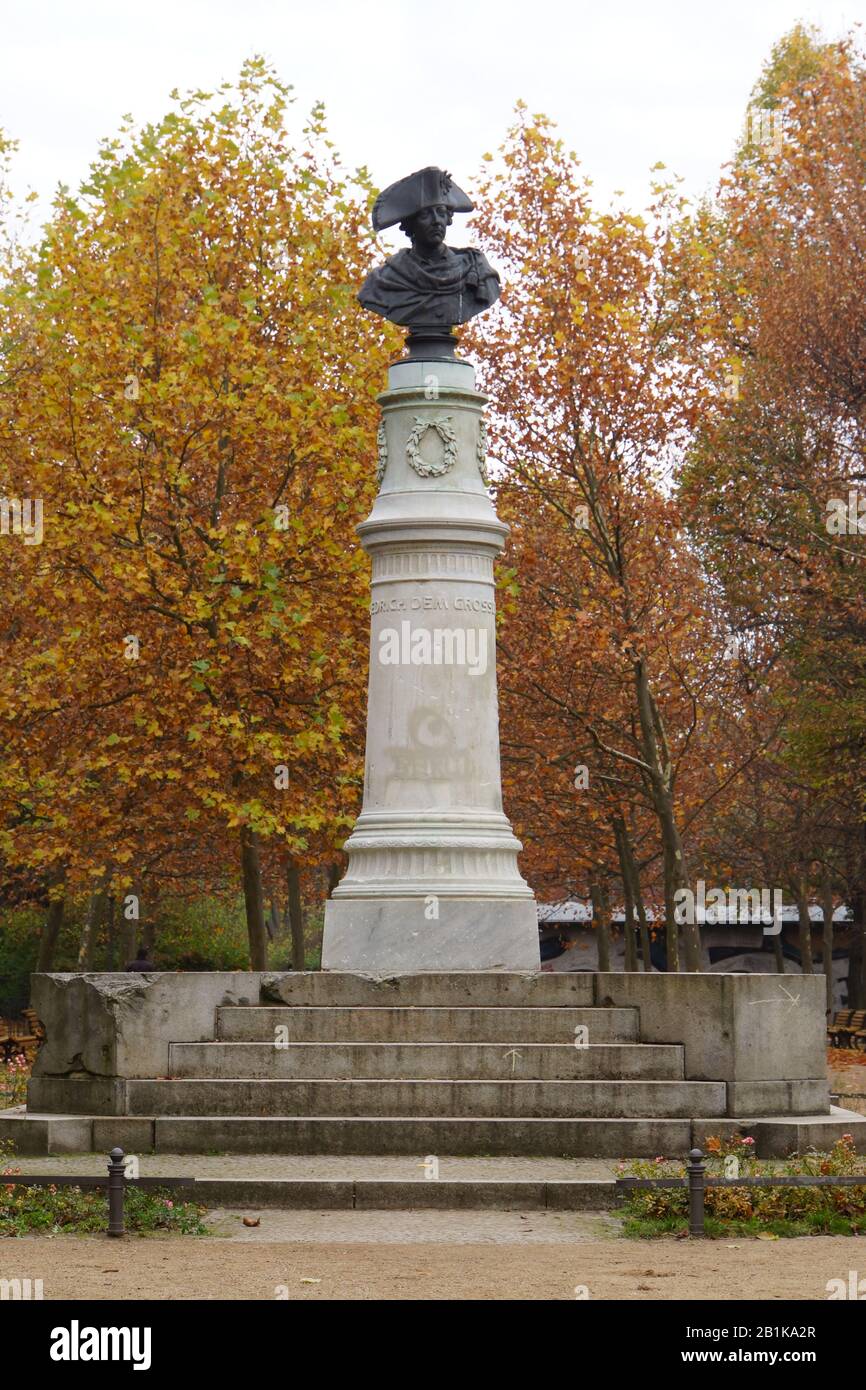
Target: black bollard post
116, 1191
696, 1168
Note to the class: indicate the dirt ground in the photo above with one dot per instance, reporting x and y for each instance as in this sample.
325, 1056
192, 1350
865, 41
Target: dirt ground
425, 1254
513, 1259
845, 1080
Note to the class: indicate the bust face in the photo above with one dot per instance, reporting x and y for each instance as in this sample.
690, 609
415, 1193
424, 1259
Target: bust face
427, 229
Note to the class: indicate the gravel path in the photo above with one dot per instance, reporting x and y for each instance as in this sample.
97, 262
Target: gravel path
407, 1168
500, 1257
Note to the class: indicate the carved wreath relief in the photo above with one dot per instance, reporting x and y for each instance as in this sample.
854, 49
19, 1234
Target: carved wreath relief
445, 431
481, 452
382, 446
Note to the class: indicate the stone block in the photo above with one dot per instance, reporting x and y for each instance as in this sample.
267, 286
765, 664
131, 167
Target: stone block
296, 1194
447, 1061
560, 1138
321, 1024
475, 1194
120, 1025
132, 1133
506, 1100
432, 989
778, 1097
781, 1136
77, 1095
592, 1195
389, 936
733, 1027
33, 1134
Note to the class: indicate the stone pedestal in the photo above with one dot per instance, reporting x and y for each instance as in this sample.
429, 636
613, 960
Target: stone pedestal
432, 881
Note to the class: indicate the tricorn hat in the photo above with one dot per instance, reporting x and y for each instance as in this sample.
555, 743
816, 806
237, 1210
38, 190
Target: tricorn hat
426, 188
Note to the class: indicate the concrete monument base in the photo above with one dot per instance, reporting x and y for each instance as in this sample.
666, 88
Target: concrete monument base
453, 1063
376, 936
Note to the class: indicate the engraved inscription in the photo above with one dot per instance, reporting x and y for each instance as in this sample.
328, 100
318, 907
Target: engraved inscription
463, 603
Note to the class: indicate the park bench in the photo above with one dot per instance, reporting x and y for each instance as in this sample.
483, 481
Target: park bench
16, 1038
841, 1020
847, 1026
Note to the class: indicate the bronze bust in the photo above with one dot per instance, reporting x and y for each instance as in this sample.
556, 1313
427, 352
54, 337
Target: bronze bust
431, 287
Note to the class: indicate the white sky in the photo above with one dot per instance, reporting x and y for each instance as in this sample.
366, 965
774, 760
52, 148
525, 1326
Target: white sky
408, 83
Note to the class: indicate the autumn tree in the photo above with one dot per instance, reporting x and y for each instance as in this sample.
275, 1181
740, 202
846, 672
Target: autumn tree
772, 486
591, 406
184, 671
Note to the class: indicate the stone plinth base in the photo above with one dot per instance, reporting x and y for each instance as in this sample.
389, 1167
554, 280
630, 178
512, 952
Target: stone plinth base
495, 1061
376, 936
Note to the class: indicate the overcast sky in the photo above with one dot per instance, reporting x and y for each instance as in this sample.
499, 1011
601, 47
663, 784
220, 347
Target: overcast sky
408, 83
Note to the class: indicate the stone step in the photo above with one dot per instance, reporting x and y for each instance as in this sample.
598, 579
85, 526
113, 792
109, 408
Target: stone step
535, 1099
331, 1024
432, 989
32, 1133
425, 1061
390, 1194
314, 1142
402, 1134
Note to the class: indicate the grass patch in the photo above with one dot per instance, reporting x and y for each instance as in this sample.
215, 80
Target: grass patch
812, 1224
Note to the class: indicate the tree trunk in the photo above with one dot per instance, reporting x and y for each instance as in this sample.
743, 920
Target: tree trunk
627, 895
645, 948
145, 928
857, 952
296, 915
273, 922
130, 928
827, 944
111, 935
253, 901
630, 962
608, 916
672, 930
50, 933
601, 922
95, 909
855, 961
660, 779
805, 925
632, 889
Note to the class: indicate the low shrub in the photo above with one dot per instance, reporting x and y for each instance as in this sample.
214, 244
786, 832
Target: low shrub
745, 1211
14, 1076
54, 1210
